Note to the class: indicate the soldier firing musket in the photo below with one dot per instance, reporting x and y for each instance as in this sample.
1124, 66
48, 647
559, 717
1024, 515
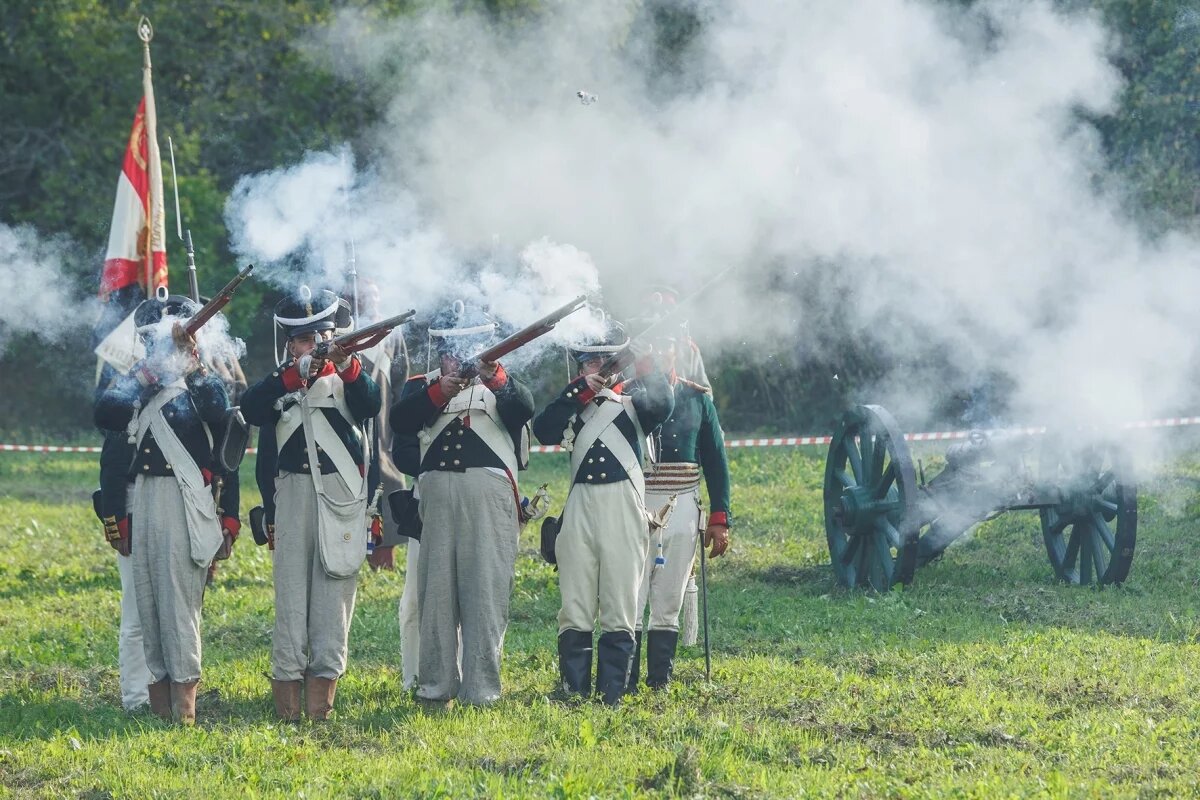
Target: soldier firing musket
315, 407
467, 423
601, 546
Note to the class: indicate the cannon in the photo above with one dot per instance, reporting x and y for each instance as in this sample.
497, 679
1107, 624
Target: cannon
883, 519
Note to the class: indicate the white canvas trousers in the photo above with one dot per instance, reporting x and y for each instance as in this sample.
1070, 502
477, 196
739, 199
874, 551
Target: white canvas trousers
410, 617
664, 587
167, 583
131, 653
312, 610
469, 533
601, 549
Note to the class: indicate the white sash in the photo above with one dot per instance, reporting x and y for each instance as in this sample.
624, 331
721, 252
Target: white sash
200, 508
326, 392
341, 525
486, 424
598, 426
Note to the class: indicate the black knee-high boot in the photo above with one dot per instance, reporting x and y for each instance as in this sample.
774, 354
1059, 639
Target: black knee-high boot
635, 670
660, 657
575, 661
614, 654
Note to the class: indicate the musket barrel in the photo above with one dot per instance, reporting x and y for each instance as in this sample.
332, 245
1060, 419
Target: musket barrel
219, 301
524, 336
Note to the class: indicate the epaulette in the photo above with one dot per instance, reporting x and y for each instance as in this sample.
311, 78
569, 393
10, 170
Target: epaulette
696, 386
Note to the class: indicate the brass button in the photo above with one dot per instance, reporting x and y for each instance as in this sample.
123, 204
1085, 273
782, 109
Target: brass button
461, 431
448, 433
590, 460
304, 466
458, 447
601, 459
147, 450
457, 462
346, 536
445, 447
442, 464
146, 467
589, 477
603, 474
168, 466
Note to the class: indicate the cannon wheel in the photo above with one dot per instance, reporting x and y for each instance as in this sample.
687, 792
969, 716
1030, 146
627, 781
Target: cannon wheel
1091, 533
870, 496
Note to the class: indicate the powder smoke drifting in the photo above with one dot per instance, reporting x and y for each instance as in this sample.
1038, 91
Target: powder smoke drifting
935, 156
40, 299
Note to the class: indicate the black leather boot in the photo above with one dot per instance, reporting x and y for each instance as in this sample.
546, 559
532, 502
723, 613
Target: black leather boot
635, 671
575, 661
614, 654
660, 657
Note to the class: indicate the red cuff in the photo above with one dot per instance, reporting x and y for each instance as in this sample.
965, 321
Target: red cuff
232, 524
291, 379
145, 377
498, 380
123, 527
580, 391
350, 374
207, 475
435, 394
719, 518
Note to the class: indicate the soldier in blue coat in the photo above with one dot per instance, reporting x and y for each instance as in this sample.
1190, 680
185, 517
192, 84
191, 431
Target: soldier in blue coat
313, 410
172, 410
604, 534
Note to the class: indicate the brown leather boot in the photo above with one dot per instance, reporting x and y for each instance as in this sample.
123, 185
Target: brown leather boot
183, 702
287, 699
160, 698
318, 697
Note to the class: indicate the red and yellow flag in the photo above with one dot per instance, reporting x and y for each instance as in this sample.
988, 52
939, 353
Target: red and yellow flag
137, 251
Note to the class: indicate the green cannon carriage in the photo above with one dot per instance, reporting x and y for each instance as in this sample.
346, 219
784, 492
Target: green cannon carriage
883, 519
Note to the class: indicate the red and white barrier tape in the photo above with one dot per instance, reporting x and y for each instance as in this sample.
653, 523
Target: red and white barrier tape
776, 441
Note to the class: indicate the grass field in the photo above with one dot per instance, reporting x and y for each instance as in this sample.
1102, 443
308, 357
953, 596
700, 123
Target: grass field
984, 679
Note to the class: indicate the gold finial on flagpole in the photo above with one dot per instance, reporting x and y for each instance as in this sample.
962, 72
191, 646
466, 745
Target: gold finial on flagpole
145, 30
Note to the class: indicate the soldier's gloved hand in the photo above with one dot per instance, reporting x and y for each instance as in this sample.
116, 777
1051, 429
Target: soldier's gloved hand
595, 382
116, 531
230, 527
716, 537
338, 356
382, 558
184, 341
487, 370
451, 386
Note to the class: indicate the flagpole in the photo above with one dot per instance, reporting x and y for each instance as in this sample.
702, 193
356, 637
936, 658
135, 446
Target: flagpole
146, 32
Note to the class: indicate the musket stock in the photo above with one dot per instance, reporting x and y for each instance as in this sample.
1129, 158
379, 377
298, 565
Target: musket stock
364, 338
219, 301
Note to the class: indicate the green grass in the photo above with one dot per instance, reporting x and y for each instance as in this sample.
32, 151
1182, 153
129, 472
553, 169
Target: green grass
984, 679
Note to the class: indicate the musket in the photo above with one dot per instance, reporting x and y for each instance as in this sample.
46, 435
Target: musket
619, 362
193, 287
522, 337
219, 301
363, 338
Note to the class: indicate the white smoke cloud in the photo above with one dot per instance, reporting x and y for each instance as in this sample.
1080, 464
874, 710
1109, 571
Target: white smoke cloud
41, 299
935, 155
